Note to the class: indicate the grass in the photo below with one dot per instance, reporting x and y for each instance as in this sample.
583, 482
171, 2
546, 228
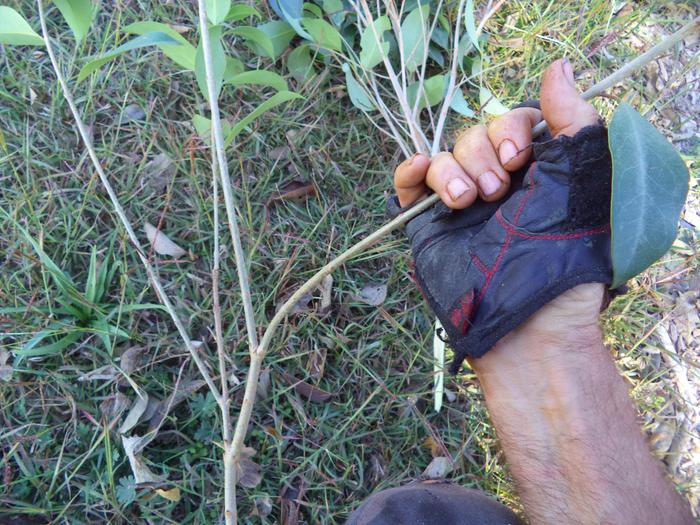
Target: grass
60, 453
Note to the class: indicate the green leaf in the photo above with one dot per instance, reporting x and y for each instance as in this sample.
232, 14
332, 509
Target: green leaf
323, 34
218, 57
470, 24
433, 91
233, 68
335, 11
91, 282
414, 35
50, 349
279, 33
78, 15
490, 104
358, 96
241, 11
373, 53
460, 105
258, 40
275, 100
259, 77
183, 55
649, 188
145, 40
300, 64
217, 10
15, 31
202, 126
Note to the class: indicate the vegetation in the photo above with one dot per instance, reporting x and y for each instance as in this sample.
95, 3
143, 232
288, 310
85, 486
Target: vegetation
310, 179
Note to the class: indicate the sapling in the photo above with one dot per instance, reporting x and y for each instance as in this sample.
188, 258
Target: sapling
404, 96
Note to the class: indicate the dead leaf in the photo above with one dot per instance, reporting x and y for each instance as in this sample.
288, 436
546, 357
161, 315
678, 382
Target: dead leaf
290, 501
433, 446
263, 388
129, 360
160, 242
326, 289
158, 172
162, 408
5, 369
114, 407
263, 506
172, 494
104, 373
180, 28
137, 410
317, 362
310, 392
132, 112
142, 474
438, 468
373, 294
294, 190
249, 472
280, 153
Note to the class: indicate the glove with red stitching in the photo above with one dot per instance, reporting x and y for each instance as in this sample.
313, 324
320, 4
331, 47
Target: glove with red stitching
487, 268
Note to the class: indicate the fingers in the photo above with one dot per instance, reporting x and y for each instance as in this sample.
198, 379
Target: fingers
409, 179
562, 106
447, 178
477, 157
511, 136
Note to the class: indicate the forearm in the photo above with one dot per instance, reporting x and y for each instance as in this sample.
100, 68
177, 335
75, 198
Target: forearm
569, 431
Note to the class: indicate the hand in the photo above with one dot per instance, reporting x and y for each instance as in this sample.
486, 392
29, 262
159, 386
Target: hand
484, 179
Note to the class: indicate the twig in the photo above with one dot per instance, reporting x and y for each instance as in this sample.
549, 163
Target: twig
629, 68
152, 277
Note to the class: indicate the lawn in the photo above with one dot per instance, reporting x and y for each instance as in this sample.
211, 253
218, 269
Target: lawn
61, 454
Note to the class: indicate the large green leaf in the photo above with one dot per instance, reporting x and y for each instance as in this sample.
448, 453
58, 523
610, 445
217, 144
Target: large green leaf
323, 34
217, 10
433, 92
259, 77
145, 40
78, 15
257, 39
183, 55
490, 104
241, 11
460, 105
279, 33
275, 100
15, 31
218, 63
372, 43
414, 33
649, 188
358, 96
300, 64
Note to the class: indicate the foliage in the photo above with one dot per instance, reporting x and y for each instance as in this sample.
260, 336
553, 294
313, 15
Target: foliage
650, 186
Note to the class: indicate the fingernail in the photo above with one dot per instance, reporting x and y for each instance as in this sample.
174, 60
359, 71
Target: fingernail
568, 72
489, 183
456, 188
410, 161
507, 151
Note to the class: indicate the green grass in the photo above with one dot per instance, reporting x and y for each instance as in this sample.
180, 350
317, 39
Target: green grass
60, 452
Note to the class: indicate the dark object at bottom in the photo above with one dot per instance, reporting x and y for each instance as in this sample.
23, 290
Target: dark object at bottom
432, 503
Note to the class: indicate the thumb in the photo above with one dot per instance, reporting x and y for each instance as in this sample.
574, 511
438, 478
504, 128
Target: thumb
562, 105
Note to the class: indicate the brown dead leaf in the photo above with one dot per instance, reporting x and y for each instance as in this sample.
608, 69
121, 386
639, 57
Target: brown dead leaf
104, 373
249, 472
263, 389
161, 408
160, 242
142, 474
310, 392
432, 445
294, 190
129, 360
263, 506
280, 153
317, 362
135, 413
373, 294
290, 501
326, 289
158, 172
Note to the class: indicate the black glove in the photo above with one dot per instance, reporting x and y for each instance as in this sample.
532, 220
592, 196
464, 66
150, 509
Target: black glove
486, 269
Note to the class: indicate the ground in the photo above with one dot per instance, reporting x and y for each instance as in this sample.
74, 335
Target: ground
61, 456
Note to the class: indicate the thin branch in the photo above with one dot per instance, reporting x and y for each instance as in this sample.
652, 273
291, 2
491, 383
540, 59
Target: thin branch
629, 68
152, 277
239, 254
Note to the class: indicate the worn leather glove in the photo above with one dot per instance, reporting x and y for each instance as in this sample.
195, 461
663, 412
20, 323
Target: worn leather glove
486, 269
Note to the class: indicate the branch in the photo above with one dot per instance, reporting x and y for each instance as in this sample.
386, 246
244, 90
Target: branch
219, 148
629, 68
152, 277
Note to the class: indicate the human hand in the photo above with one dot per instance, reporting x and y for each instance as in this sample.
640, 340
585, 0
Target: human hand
521, 233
